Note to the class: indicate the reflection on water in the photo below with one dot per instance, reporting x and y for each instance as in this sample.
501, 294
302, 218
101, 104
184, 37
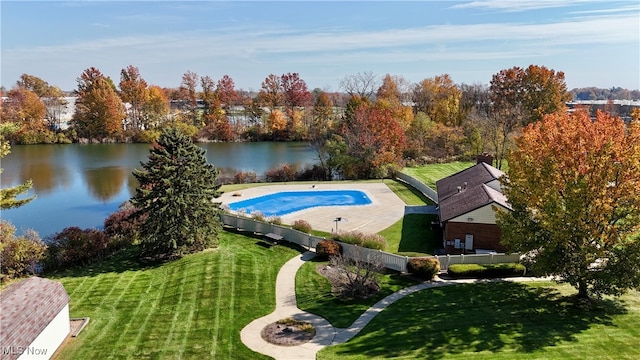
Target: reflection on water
81, 184
49, 176
105, 183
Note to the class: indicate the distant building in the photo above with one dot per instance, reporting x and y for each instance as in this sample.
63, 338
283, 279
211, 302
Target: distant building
621, 108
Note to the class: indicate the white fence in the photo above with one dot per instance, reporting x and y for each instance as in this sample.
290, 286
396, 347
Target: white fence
427, 191
391, 261
446, 260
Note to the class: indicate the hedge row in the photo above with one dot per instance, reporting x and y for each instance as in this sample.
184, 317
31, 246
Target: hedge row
463, 271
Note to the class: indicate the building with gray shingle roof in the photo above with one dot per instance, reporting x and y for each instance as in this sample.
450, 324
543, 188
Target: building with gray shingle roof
466, 203
34, 319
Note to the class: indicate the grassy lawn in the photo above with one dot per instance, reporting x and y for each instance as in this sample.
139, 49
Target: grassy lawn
313, 293
431, 173
192, 308
406, 193
413, 234
498, 321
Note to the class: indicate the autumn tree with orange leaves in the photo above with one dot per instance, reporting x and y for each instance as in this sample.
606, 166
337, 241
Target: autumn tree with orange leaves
368, 146
133, 90
573, 184
99, 110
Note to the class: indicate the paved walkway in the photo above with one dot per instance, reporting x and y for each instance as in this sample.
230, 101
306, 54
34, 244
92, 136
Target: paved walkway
326, 334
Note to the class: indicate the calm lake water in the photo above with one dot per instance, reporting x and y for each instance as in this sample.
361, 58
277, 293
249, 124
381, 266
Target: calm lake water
80, 185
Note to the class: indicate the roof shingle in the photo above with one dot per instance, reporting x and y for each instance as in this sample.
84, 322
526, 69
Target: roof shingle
27, 307
466, 191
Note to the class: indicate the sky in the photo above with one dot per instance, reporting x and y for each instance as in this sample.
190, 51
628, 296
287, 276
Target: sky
595, 43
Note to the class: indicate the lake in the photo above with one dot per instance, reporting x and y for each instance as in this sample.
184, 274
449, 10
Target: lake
81, 184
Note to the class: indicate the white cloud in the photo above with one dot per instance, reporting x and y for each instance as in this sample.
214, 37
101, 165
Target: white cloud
267, 47
254, 41
519, 5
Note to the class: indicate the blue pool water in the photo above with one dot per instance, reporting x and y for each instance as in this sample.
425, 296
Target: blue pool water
286, 202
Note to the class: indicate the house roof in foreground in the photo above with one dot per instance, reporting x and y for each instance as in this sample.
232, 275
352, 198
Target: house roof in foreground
27, 307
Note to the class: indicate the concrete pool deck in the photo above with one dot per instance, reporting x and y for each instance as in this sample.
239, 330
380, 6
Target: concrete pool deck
385, 210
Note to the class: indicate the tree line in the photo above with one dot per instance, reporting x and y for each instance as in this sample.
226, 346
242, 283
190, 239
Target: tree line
572, 180
375, 125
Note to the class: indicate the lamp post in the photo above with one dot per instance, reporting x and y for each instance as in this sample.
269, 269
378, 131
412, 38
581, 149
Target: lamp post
337, 220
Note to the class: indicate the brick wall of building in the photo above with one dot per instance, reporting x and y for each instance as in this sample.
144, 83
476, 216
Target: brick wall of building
485, 236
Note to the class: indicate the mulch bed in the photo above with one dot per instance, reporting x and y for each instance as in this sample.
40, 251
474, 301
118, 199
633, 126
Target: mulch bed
287, 335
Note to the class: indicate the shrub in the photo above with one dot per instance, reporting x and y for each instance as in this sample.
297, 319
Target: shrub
74, 246
123, 226
328, 248
423, 267
282, 172
302, 225
61, 138
370, 241
33, 136
314, 173
258, 216
245, 177
275, 220
356, 276
146, 136
19, 255
461, 271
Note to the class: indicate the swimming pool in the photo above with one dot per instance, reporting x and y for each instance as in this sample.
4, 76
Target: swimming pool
286, 202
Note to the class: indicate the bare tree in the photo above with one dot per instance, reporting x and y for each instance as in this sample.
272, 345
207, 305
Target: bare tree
363, 84
357, 273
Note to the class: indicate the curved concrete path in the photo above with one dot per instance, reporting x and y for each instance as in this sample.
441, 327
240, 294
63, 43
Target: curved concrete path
326, 334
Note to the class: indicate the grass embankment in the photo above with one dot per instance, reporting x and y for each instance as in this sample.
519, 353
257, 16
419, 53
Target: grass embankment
431, 173
412, 233
406, 193
498, 321
192, 308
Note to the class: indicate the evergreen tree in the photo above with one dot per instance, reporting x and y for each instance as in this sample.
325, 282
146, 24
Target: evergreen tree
8, 196
176, 191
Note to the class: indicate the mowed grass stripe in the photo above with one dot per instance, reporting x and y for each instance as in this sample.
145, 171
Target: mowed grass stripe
72, 287
178, 291
132, 327
112, 304
79, 301
198, 341
193, 291
232, 305
159, 283
222, 268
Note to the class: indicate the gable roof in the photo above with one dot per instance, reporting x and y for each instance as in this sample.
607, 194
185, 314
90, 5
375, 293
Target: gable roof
27, 307
474, 176
467, 190
471, 199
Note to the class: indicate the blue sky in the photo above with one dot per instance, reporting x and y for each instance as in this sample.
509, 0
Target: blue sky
595, 43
